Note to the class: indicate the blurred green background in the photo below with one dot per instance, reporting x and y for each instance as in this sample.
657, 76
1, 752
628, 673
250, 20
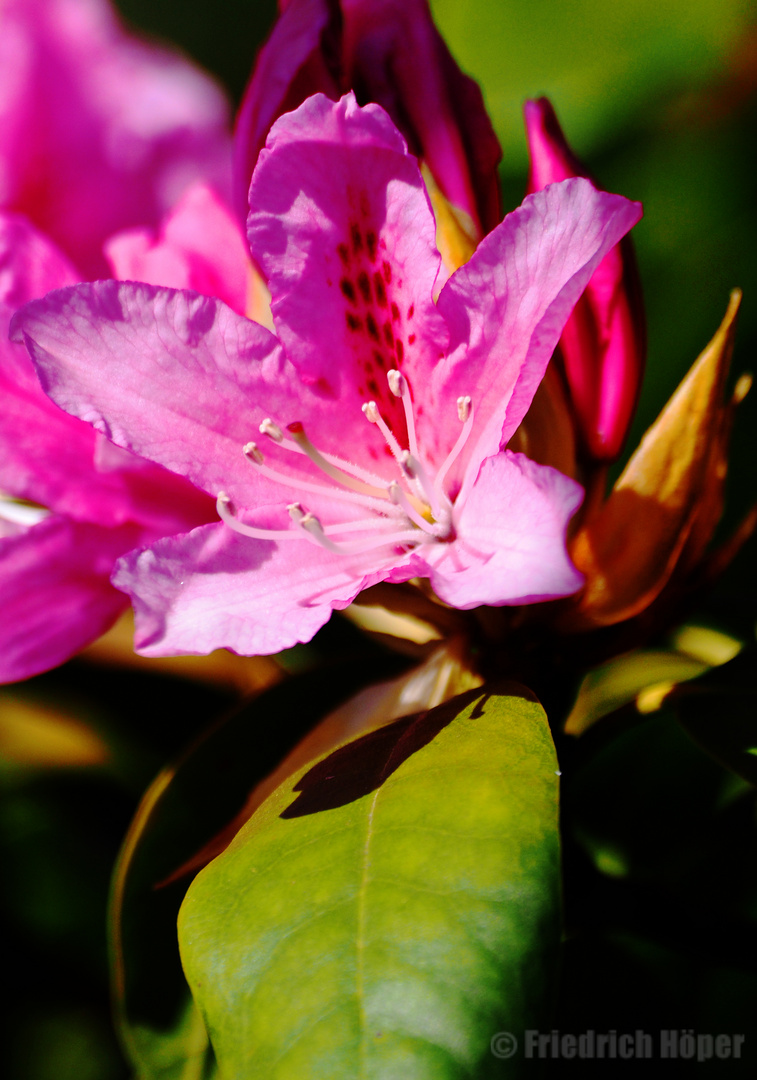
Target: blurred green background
659, 97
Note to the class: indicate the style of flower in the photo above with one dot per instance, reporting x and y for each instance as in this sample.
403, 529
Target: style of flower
603, 343
99, 131
379, 418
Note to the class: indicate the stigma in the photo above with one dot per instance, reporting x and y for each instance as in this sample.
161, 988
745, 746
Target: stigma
405, 512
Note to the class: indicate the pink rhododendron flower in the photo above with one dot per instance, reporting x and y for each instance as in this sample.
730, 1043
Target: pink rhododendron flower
99, 131
603, 344
388, 52
365, 440
97, 500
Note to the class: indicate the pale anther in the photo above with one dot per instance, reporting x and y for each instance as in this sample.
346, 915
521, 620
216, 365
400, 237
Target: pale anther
409, 464
396, 382
312, 524
463, 408
272, 430
296, 511
370, 409
252, 452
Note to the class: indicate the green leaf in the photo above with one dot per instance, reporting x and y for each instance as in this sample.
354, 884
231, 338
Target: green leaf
621, 681
388, 911
719, 711
185, 808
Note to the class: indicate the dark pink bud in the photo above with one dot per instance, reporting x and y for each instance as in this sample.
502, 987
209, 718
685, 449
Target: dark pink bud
603, 345
389, 52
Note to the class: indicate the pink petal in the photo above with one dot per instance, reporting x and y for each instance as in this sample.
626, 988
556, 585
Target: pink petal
172, 376
510, 546
57, 597
507, 306
99, 131
395, 56
30, 266
212, 588
199, 246
49, 457
342, 227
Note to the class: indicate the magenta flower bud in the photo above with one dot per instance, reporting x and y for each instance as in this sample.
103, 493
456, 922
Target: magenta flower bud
603, 345
389, 52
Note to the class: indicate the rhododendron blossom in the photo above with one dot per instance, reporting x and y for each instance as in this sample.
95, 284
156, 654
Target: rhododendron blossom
99, 130
365, 440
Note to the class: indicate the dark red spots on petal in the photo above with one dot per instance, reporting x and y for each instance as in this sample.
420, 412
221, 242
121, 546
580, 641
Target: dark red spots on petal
387, 271
411, 339
411, 311
371, 327
399, 348
364, 285
344, 253
356, 238
370, 243
348, 290
388, 335
395, 312
353, 322
373, 387
379, 358
378, 285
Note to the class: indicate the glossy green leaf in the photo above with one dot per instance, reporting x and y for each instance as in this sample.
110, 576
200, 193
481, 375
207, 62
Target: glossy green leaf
389, 910
185, 808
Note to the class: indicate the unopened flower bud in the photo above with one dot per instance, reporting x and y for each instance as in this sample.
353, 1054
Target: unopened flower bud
389, 52
603, 345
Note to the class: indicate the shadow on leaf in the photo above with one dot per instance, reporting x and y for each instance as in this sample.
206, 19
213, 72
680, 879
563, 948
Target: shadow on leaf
362, 766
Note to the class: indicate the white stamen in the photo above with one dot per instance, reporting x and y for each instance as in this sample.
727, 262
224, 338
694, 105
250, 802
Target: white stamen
253, 453
314, 529
396, 382
297, 432
399, 387
397, 495
456, 450
374, 416
225, 510
272, 430
407, 512
423, 485
316, 489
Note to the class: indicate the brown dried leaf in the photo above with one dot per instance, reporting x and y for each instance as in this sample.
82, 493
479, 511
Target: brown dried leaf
670, 491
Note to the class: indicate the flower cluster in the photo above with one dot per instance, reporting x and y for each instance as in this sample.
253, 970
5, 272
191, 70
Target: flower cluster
244, 438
